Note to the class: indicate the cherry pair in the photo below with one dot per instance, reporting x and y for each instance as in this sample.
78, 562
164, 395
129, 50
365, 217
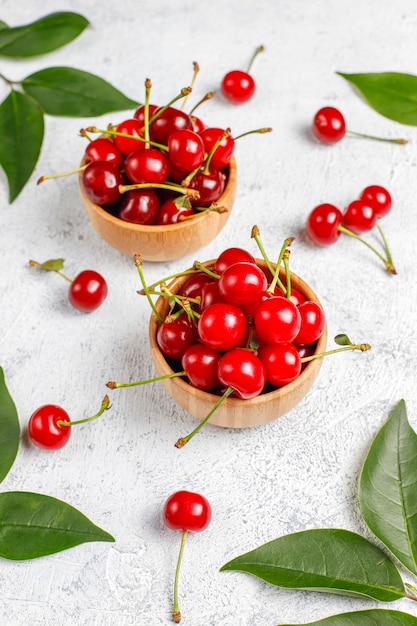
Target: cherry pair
326, 222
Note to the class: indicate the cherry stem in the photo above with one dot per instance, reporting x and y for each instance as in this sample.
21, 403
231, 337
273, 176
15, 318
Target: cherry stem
44, 266
138, 263
363, 347
385, 243
388, 263
286, 261
176, 613
193, 193
61, 175
196, 69
202, 268
260, 131
185, 91
255, 234
209, 95
183, 440
148, 86
206, 168
276, 280
105, 405
167, 278
255, 54
112, 384
115, 133
385, 139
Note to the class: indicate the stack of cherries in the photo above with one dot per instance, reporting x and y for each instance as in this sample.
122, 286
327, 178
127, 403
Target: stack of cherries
160, 166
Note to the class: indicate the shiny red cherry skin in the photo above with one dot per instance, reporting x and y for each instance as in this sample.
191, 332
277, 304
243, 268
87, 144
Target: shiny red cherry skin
101, 181
146, 166
242, 370
43, 429
185, 510
139, 206
224, 151
103, 149
87, 291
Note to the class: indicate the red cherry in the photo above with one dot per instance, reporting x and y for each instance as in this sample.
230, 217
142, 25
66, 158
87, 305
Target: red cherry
175, 335
146, 166
127, 145
210, 294
237, 86
87, 291
171, 212
171, 119
103, 149
101, 182
282, 363
359, 216
185, 150
139, 206
223, 326
43, 428
198, 124
313, 323
379, 198
199, 362
224, 151
231, 256
209, 185
185, 510
242, 283
296, 296
242, 370
277, 320
329, 125
194, 285
139, 114
323, 223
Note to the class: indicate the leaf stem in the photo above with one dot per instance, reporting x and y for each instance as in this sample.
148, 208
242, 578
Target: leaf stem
183, 440
176, 613
105, 405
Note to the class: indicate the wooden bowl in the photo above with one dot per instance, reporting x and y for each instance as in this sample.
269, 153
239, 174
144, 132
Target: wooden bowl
162, 243
234, 412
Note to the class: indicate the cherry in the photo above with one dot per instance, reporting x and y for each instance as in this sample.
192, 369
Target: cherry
230, 256
185, 150
127, 145
242, 283
329, 127
44, 430
210, 186
359, 216
225, 149
185, 511
243, 371
313, 323
146, 166
169, 120
277, 320
87, 291
194, 285
139, 114
139, 206
282, 363
210, 294
171, 212
199, 363
49, 427
101, 181
222, 326
103, 149
323, 224
379, 198
238, 86
175, 335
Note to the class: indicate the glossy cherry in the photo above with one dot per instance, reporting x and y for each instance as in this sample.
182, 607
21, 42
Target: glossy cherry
210, 294
101, 181
210, 185
282, 363
223, 326
126, 145
146, 166
139, 206
329, 125
185, 150
167, 122
139, 114
175, 335
199, 363
194, 285
103, 149
323, 224
87, 291
230, 256
238, 86
359, 216
313, 323
225, 149
172, 212
277, 320
242, 370
242, 283
44, 430
379, 198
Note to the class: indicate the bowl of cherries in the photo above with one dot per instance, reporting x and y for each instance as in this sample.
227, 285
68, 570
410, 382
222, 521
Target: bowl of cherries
237, 340
160, 183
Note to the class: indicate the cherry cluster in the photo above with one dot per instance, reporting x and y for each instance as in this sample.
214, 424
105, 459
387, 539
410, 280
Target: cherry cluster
326, 222
160, 166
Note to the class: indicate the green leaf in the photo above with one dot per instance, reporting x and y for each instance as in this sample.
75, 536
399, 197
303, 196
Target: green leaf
72, 92
342, 340
44, 35
388, 487
3, 25
329, 560
9, 429
392, 94
34, 525
21, 132
52, 265
369, 617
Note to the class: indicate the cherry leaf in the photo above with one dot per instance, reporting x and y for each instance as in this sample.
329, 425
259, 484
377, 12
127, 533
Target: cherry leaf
52, 265
44, 35
9, 429
342, 340
392, 94
388, 487
21, 131
330, 560
67, 91
34, 525
369, 617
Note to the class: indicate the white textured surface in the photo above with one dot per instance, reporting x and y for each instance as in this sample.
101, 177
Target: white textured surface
296, 473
